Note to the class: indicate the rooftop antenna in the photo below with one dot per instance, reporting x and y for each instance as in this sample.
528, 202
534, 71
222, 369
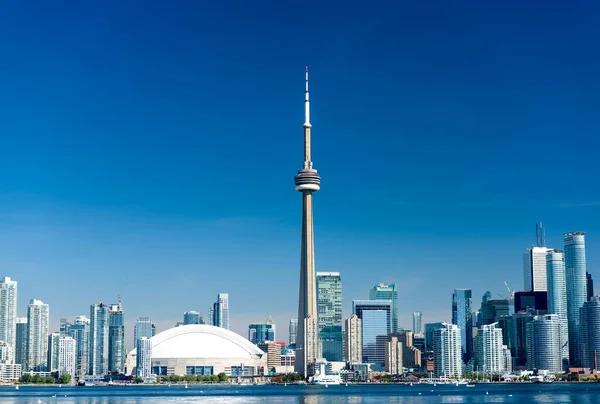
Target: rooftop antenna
537, 234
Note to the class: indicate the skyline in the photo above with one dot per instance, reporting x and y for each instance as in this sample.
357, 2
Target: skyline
125, 172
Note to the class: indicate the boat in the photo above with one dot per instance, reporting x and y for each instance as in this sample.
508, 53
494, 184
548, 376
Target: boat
16, 387
326, 380
470, 385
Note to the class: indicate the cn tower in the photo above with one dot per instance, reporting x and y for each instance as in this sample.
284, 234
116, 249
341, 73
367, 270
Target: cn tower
307, 181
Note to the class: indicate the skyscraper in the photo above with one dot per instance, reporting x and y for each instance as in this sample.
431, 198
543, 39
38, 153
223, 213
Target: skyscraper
543, 343
590, 333
66, 356
21, 342
293, 331
353, 345
417, 322
387, 292
447, 346
116, 339
590, 286
489, 351
143, 328
492, 309
462, 317
429, 329
64, 327
80, 332
38, 319
98, 352
144, 357
534, 269
8, 311
258, 333
557, 298
533, 300
307, 181
575, 269
53, 351
411, 355
329, 309
192, 317
375, 316
393, 356
221, 311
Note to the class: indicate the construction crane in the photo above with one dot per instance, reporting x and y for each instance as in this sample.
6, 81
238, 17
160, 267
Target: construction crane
511, 293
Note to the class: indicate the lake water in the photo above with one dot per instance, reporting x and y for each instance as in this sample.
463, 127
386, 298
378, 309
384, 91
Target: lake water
573, 393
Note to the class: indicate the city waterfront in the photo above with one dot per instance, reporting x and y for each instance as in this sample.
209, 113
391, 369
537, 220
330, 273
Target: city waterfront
579, 393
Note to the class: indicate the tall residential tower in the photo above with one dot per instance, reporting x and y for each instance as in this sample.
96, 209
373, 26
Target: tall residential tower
329, 305
575, 270
307, 181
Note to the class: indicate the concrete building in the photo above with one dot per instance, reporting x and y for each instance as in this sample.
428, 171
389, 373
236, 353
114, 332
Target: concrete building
204, 350
590, 333
462, 317
489, 350
21, 342
447, 351
387, 292
393, 357
329, 309
53, 351
80, 332
67, 351
258, 333
492, 309
220, 311
6, 353
144, 357
543, 343
38, 321
411, 355
353, 343
145, 328
273, 352
8, 311
575, 269
98, 351
534, 269
417, 322
116, 339
533, 300
308, 182
557, 298
376, 322
292, 332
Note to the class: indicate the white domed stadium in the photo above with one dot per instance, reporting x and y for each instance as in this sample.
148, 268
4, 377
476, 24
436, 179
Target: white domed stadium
203, 350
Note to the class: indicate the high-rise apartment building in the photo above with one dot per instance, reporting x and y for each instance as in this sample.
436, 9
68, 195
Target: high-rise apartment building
144, 328
393, 356
411, 355
21, 342
292, 331
8, 311
38, 322
67, 350
387, 292
557, 298
329, 309
417, 322
64, 327
273, 352
534, 269
80, 332
258, 333
492, 309
98, 352
144, 357
462, 317
447, 351
53, 351
429, 329
575, 269
375, 316
116, 339
590, 333
543, 343
353, 343
489, 350
6, 354
220, 311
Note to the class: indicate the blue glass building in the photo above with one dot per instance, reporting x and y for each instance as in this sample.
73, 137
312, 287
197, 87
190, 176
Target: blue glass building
462, 317
575, 269
258, 333
590, 332
557, 297
375, 316
329, 312
387, 292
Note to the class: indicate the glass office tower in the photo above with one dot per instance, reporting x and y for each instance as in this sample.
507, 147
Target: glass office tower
387, 292
329, 312
375, 316
462, 317
575, 269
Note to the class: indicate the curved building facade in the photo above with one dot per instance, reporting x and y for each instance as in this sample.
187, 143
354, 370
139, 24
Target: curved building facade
200, 349
575, 269
557, 297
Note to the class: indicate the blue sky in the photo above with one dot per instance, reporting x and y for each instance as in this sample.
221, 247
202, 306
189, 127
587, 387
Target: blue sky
149, 148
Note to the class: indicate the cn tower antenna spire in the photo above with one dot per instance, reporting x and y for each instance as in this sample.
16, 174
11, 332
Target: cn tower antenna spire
306, 104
